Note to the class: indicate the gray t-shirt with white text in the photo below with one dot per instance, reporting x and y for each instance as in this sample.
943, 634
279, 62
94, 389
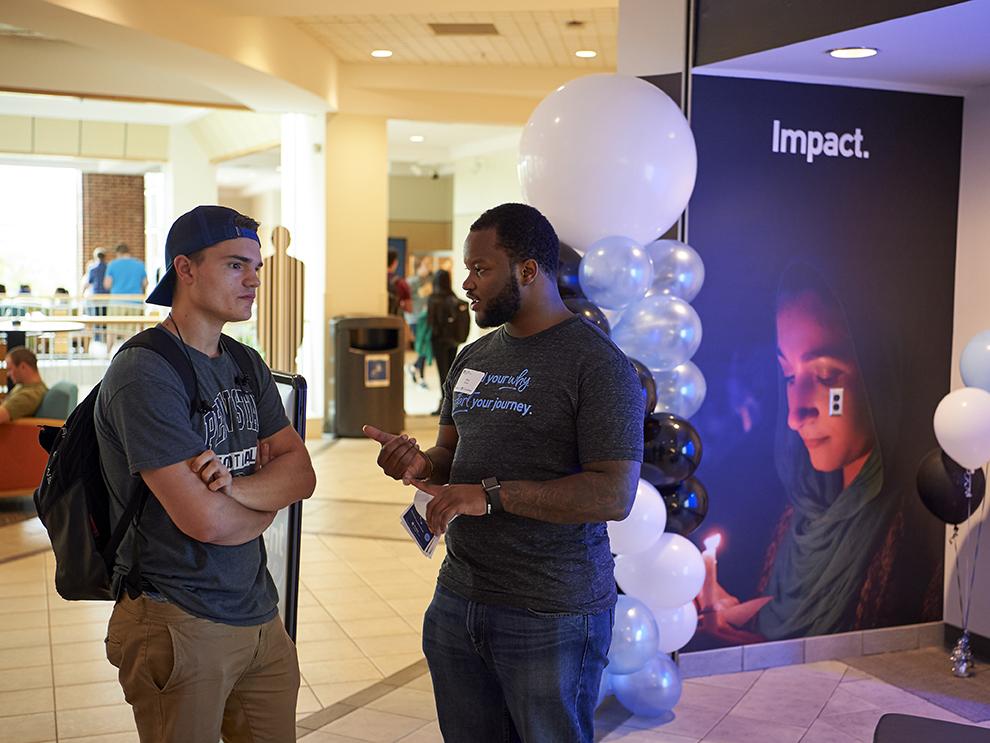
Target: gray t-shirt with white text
142, 423
547, 404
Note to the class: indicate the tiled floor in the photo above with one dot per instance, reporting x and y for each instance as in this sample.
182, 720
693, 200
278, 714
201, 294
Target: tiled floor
363, 590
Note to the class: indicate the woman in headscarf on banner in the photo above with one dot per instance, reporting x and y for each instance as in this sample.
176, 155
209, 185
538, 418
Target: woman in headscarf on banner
838, 560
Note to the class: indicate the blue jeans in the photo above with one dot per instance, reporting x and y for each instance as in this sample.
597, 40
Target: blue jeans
505, 675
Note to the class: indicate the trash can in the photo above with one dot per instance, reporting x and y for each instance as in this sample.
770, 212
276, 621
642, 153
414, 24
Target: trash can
367, 375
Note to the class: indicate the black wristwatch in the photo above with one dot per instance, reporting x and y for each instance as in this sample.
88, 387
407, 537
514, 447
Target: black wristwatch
493, 494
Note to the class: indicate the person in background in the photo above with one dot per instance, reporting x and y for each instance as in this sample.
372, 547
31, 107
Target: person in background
96, 271
441, 304
421, 287
125, 274
29, 389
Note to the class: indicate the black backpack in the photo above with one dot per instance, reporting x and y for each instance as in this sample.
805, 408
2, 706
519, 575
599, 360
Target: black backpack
73, 500
452, 321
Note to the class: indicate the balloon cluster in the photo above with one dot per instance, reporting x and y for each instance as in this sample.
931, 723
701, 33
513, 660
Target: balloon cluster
611, 161
950, 481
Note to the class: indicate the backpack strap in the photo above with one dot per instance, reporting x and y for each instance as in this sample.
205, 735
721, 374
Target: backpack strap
156, 339
238, 351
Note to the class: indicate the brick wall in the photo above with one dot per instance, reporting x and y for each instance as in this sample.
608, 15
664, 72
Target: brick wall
112, 213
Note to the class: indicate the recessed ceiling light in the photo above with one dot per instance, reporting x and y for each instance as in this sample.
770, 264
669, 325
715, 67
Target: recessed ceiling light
853, 52
586, 53
417, 138
381, 53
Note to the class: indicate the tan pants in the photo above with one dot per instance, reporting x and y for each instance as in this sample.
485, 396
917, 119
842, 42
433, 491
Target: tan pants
189, 680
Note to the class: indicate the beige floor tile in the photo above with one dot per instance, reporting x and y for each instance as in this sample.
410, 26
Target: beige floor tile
77, 652
321, 650
372, 725
719, 698
84, 672
735, 729
319, 736
843, 702
94, 632
85, 614
411, 607
408, 702
338, 581
385, 626
24, 638
331, 599
316, 568
24, 603
329, 694
312, 614
743, 680
690, 722
389, 664
823, 732
12, 658
423, 683
636, 735
26, 702
80, 696
390, 644
414, 588
329, 672
130, 737
19, 589
23, 620
34, 677
328, 630
375, 609
307, 702
36, 728
426, 734
95, 721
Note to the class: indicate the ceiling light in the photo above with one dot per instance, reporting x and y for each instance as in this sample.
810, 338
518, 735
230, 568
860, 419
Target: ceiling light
853, 52
381, 53
586, 53
417, 138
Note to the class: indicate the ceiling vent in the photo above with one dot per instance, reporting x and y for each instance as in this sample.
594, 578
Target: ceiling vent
464, 29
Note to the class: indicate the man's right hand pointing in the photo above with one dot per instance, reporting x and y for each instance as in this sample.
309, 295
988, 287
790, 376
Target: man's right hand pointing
400, 457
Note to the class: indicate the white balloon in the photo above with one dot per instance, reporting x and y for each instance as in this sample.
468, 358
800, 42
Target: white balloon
608, 155
666, 576
962, 426
677, 269
643, 526
677, 626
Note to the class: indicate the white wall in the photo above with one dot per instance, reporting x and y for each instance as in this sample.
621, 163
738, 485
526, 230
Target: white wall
480, 182
971, 315
190, 178
420, 199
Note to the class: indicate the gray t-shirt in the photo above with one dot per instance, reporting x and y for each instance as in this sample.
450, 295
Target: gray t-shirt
143, 422
548, 404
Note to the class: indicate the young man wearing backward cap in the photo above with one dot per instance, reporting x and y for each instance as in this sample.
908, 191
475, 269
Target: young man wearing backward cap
198, 642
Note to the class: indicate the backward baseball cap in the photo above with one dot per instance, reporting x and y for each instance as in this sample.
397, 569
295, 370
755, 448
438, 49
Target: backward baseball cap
195, 230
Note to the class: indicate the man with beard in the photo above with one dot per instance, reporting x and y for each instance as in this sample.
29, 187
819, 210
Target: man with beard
540, 442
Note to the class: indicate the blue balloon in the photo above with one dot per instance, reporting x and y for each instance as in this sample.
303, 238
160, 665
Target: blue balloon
652, 690
634, 636
677, 269
615, 271
975, 361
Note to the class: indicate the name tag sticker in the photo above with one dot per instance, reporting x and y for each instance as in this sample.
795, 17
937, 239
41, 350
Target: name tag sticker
468, 382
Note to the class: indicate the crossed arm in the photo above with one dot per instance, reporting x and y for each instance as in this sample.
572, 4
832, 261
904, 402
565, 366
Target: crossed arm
209, 505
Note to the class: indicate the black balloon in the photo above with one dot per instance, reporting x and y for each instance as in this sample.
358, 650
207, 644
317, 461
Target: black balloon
647, 382
587, 308
942, 487
568, 263
672, 446
687, 506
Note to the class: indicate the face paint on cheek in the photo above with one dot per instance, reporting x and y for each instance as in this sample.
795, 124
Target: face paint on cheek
836, 397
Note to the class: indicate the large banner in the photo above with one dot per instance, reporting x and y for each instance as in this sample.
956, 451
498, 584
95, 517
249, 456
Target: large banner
826, 217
